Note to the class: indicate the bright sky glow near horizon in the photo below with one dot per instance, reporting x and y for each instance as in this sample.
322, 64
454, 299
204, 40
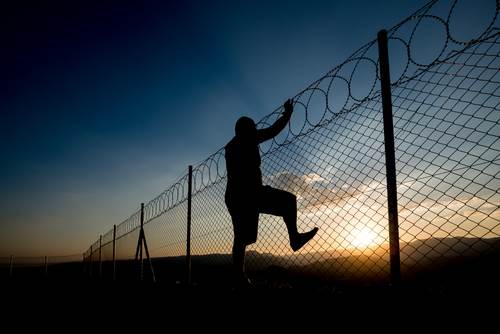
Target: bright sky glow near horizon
104, 105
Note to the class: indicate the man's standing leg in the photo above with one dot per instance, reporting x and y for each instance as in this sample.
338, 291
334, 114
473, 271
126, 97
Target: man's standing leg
245, 224
239, 249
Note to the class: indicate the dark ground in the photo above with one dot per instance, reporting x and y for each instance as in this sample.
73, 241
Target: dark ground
452, 293
134, 306
148, 306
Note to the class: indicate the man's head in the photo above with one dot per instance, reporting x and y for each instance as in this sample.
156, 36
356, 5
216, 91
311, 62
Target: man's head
245, 128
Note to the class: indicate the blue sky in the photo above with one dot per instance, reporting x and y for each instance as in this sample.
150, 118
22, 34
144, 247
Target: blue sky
104, 105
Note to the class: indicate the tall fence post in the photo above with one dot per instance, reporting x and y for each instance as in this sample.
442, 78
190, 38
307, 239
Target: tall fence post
11, 265
100, 256
390, 157
90, 262
46, 264
114, 252
188, 238
140, 241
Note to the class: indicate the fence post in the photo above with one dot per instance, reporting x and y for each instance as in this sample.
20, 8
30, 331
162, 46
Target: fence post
140, 243
90, 264
114, 251
100, 258
390, 157
140, 240
11, 265
188, 238
46, 265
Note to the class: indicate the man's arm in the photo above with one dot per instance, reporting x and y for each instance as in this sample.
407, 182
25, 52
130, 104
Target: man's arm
275, 129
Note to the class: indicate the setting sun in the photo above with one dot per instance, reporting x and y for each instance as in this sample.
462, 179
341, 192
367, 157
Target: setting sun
364, 238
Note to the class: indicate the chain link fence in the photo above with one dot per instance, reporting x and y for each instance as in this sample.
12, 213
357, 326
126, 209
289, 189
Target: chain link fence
445, 80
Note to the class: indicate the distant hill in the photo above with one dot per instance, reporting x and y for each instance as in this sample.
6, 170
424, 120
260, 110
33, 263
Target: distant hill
463, 261
371, 264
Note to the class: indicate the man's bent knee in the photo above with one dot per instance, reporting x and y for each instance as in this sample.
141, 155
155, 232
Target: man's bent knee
291, 201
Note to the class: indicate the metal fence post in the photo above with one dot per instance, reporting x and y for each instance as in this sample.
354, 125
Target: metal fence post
140, 241
11, 265
390, 157
46, 266
100, 258
114, 252
90, 264
188, 238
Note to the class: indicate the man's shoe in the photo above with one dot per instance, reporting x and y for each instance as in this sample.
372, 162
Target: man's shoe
302, 239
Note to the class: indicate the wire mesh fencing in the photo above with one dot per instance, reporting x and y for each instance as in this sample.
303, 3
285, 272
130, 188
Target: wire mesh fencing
445, 97
447, 128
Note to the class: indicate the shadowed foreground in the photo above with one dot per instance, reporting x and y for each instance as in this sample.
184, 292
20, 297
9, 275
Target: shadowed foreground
169, 306
467, 282
442, 276
465, 286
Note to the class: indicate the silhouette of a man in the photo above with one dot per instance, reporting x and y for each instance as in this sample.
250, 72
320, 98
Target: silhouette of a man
246, 197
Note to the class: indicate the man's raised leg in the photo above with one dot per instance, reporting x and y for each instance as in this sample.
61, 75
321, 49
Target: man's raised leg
282, 203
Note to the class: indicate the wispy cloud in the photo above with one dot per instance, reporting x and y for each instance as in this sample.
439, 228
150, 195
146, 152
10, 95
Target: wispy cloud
367, 204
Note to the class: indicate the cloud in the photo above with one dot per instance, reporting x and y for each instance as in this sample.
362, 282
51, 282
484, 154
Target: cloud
287, 181
317, 194
313, 191
313, 177
464, 206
